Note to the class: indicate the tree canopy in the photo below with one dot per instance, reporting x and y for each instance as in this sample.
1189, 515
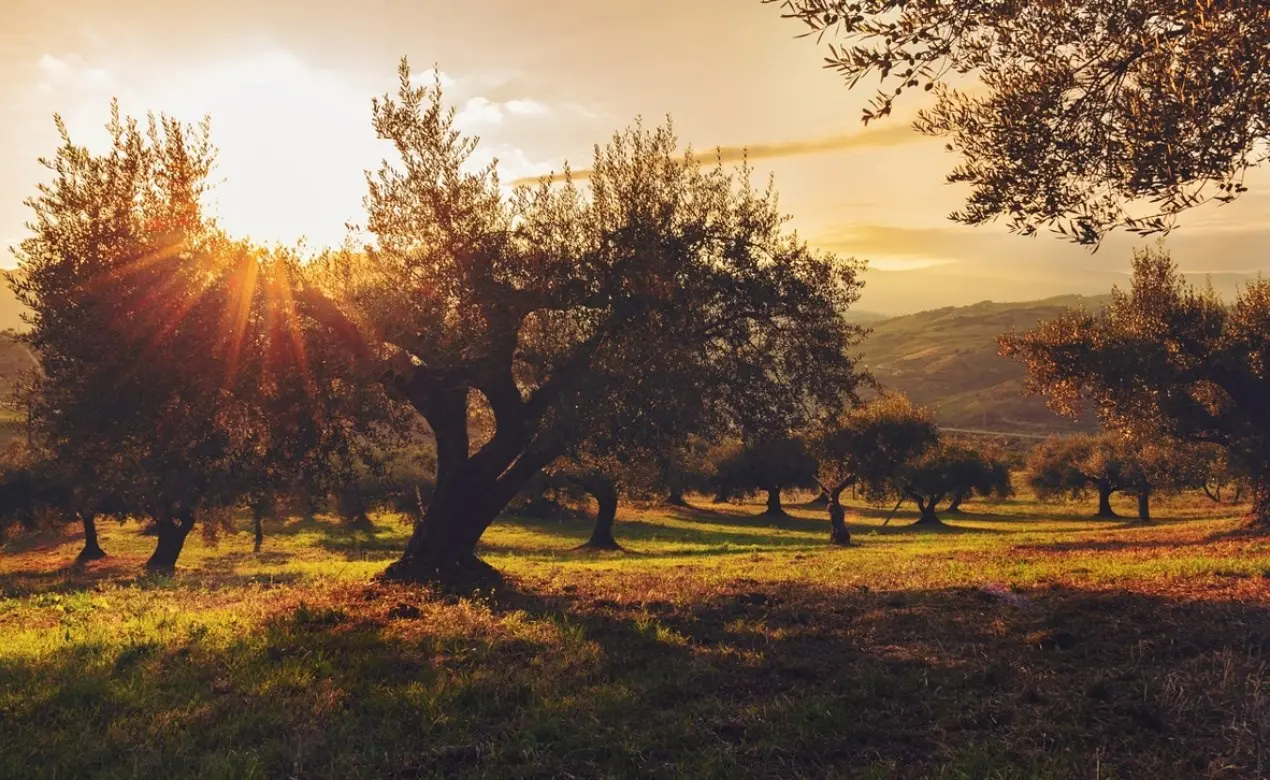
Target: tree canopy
179, 368
1078, 115
866, 447
1165, 359
545, 303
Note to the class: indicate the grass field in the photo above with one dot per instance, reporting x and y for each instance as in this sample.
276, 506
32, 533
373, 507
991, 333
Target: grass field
1021, 642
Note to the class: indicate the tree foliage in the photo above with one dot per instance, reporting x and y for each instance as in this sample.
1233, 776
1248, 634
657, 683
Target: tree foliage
1081, 115
865, 448
1070, 467
179, 369
1165, 360
949, 472
769, 465
545, 304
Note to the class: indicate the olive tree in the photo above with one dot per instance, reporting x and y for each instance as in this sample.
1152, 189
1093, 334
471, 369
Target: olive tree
946, 473
540, 305
1081, 115
1166, 360
770, 465
1070, 467
866, 447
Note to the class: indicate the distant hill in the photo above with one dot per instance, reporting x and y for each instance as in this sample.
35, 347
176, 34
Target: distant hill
947, 359
10, 310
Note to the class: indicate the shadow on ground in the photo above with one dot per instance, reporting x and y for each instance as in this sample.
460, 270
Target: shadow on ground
742, 681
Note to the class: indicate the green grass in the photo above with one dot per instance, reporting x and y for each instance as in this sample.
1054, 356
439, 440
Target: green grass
1021, 642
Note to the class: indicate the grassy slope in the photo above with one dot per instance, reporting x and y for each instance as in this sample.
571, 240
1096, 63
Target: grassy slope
1023, 642
947, 359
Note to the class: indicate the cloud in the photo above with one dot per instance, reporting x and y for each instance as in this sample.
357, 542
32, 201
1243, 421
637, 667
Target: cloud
480, 111
526, 108
69, 71
895, 134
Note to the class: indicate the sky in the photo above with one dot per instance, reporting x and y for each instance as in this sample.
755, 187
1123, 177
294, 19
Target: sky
288, 85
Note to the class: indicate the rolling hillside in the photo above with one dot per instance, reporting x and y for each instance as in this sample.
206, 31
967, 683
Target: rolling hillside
947, 359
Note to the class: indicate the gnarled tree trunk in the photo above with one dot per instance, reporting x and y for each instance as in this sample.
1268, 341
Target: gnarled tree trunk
955, 506
1144, 506
926, 512
470, 492
172, 528
774, 508
604, 491
1104, 501
676, 498
838, 533
92, 549
1259, 514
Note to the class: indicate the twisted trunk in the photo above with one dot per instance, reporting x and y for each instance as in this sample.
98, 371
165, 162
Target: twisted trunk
926, 512
838, 533
471, 490
955, 506
676, 498
92, 549
774, 508
604, 491
172, 527
1104, 501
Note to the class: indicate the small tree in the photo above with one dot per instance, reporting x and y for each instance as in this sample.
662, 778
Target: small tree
867, 447
1073, 466
770, 465
1166, 361
1161, 468
944, 473
1222, 481
683, 467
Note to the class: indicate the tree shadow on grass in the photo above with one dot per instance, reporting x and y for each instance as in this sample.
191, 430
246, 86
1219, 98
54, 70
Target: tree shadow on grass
378, 541
599, 681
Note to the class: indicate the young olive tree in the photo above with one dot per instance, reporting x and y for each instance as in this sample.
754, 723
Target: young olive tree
866, 448
770, 465
545, 303
1071, 467
945, 473
1165, 360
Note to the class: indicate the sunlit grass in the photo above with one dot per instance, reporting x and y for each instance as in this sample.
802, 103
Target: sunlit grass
1022, 641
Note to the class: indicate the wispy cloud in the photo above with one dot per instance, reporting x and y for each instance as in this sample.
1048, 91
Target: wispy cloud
891, 135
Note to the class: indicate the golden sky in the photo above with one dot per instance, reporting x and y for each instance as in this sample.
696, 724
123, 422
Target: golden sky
288, 86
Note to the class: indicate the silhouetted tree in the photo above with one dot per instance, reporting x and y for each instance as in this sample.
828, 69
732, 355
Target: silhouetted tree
944, 473
1222, 481
1161, 468
544, 303
1165, 360
1069, 113
770, 465
172, 359
866, 447
684, 466
1073, 466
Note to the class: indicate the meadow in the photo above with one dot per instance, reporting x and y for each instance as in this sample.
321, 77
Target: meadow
1022, 641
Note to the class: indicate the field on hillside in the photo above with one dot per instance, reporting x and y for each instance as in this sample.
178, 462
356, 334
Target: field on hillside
947, 359
1023, 641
